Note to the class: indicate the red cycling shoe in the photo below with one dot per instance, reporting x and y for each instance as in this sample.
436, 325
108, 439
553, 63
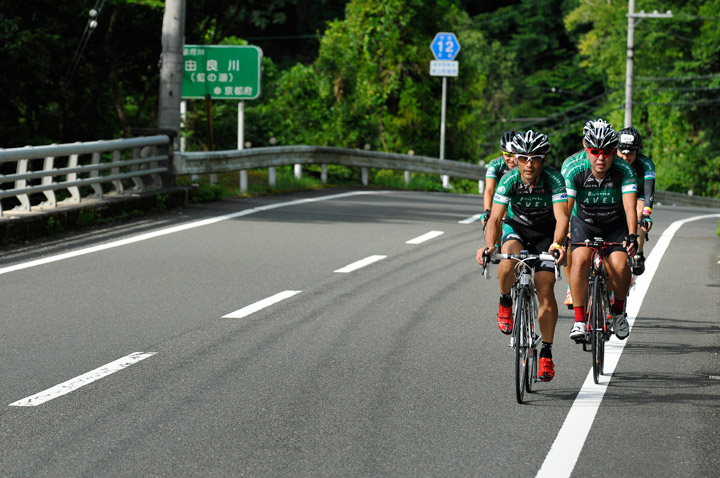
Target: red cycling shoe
505, 319
546, 369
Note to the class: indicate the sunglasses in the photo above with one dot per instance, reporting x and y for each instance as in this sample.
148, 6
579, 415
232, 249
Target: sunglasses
505, 153
600, 152
523, 158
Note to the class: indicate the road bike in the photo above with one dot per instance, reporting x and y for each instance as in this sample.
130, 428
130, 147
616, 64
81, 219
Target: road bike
525, 337
598, 313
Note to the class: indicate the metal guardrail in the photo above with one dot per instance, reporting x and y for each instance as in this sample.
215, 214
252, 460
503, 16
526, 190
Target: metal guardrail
237, 160
149, 158
669, 197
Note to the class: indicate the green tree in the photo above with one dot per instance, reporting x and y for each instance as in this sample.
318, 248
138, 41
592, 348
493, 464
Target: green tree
370, 83
676, 80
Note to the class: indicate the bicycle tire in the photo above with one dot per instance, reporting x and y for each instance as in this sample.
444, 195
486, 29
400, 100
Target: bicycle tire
521, 345
597, 324
532, 366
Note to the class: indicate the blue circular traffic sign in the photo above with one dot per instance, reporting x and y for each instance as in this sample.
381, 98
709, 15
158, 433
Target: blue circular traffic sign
445, 46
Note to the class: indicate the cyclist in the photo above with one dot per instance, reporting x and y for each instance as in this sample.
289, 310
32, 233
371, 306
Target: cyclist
629, 150
590, 124
602, 193
497, 168
534, 197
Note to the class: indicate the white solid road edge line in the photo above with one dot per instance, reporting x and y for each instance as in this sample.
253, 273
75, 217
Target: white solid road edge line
82, 380
425, 237
174, 229
250, 309
471, 219
360, 264
565, 450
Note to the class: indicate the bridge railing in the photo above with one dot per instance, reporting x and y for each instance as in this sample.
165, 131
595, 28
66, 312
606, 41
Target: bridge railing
68, 167
215, 162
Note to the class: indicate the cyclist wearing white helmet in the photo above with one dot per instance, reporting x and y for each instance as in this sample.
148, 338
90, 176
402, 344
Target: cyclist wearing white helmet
534, 197
497, 168
590, 124
602, 193
629, 151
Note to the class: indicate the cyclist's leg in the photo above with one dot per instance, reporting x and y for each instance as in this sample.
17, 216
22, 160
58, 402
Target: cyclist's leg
580, 261
617, 264
547, 310
618, 274
510, 244
578, 276
540, 240
619, 277
567, 267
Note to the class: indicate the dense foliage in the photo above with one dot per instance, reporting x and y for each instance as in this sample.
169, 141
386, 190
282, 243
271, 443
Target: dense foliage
356, 75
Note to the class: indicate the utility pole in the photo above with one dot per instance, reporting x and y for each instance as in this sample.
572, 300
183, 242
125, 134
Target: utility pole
171, 66
631, 54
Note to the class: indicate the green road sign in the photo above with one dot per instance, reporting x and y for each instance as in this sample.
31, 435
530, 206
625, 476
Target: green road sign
223, 72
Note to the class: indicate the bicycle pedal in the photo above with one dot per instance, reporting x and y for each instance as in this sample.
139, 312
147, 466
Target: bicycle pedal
581, 340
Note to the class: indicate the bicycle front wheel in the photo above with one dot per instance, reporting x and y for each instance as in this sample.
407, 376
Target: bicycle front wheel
597, 324
523, 342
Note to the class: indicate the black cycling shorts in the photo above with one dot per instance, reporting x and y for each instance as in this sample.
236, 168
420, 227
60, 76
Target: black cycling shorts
580, 230
534, 241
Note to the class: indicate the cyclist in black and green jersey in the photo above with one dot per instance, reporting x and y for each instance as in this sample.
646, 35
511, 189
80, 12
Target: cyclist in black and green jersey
534, 197
602, 193
497, 168
590, 124
629, 151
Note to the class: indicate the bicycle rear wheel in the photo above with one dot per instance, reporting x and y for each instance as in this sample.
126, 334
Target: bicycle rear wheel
597, 324
522, 344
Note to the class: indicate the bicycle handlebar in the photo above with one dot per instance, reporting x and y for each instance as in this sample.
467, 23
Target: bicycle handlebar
543, 256
522, 257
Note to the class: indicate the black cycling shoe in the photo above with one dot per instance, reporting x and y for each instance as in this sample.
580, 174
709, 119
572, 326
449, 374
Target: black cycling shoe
639, 266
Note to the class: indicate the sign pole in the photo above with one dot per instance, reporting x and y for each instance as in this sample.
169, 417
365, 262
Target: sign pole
445, 48
241, 143
445, 177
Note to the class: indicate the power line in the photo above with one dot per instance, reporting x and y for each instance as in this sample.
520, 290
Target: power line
90, 26
572, 108
689, 88
682, 103
677, 78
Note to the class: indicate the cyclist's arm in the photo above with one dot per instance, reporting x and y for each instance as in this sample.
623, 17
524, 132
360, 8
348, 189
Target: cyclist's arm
649, 186
494, 225
492, 231
561, 227
629, 200
488, 195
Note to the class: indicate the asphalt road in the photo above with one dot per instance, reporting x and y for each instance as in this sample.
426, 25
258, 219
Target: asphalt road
247, 348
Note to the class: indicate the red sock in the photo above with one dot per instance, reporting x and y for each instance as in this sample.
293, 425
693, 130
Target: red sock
618, 306
579, 314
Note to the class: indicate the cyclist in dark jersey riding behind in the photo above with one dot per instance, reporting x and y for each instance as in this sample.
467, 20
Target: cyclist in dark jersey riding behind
534, 197
629, 151
602, 194
497, 168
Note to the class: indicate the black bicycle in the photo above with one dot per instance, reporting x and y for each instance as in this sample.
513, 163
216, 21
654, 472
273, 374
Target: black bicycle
524, 338
597, 305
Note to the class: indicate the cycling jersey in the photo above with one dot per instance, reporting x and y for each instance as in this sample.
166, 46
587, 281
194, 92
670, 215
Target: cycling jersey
497, 169
569, 161
531, 205
645, 171
599, 201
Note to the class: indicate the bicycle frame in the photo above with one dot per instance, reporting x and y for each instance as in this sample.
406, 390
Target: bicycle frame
524, 339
